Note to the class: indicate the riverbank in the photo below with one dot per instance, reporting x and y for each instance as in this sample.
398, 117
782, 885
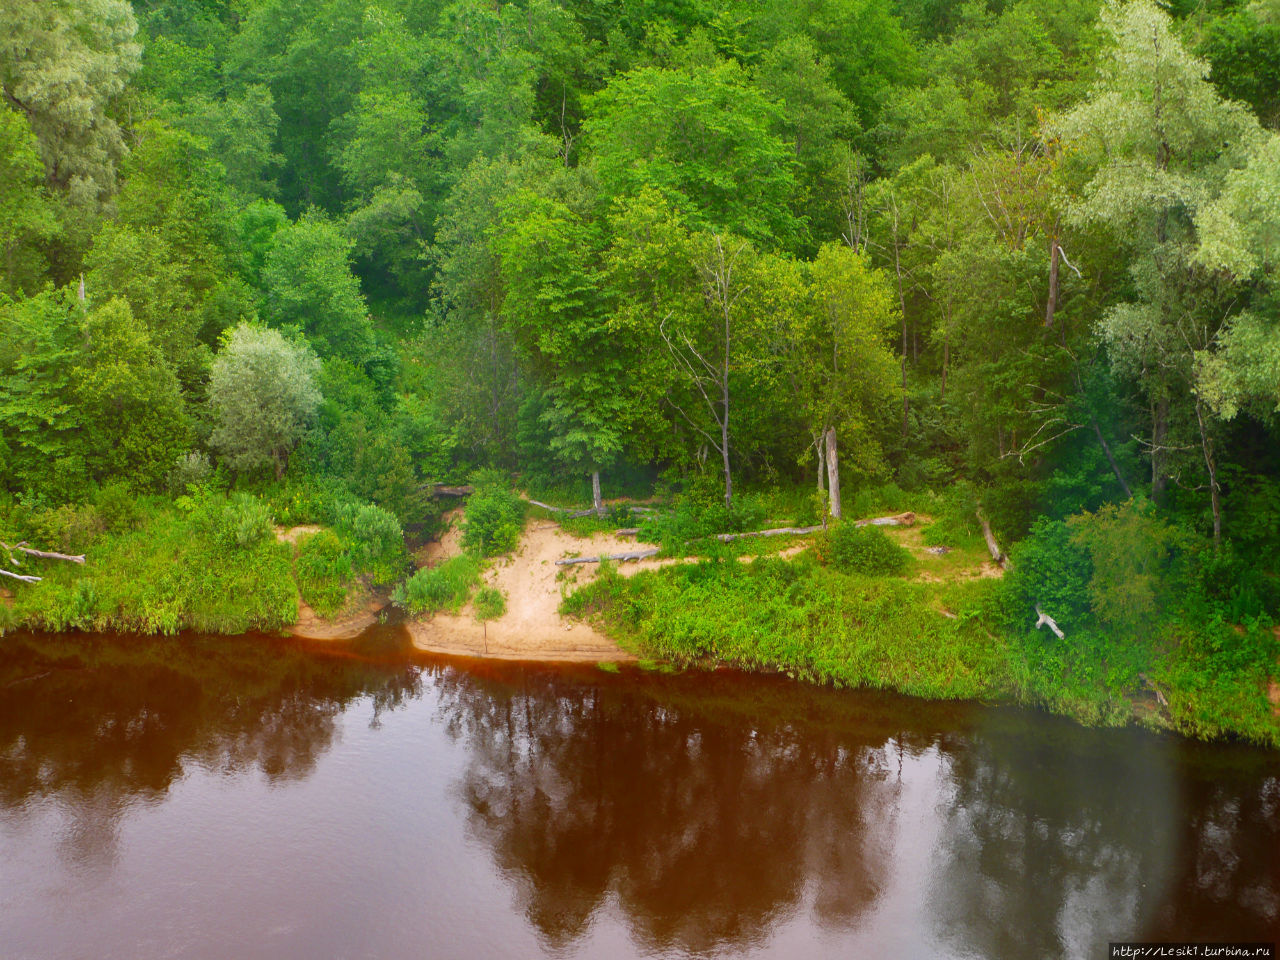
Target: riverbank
933, 628
936, 631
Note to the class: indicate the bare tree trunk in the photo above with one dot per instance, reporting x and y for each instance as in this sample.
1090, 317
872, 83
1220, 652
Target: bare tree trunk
596, 502
1159, 435
1106, 448
1206, 445
1051, 306
833, 471
946, 359
822, 463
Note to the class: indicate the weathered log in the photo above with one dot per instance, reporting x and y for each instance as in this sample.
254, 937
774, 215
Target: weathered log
627, 531
19, 576
776, 532
996, 553
897, 520
1046, 620
46, 554
444, 490
572, 513
631, 555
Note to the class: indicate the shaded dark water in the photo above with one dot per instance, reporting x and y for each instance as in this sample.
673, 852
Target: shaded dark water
242, 797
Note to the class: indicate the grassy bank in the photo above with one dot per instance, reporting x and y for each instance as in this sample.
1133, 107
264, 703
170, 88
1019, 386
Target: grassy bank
941, 636
208, 562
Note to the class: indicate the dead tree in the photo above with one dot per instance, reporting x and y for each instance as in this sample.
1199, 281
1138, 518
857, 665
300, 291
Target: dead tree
16, 552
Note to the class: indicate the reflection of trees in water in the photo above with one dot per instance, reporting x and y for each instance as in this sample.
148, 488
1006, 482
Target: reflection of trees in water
99, 722
707, 817
1058, 839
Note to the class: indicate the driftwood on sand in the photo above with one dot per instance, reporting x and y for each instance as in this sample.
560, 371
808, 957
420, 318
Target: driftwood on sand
897, 520
629, 555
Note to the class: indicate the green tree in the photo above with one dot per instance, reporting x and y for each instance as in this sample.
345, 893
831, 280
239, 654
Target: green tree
62, 62
309, 285
704, 139
1163, 141
843, 370
28, 217
262, 397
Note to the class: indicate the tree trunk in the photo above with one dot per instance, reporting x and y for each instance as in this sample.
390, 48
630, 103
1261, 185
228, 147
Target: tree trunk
724, 421
596, 502
1159, 434
1115, 467
946, 359
1052, 306
822, 463
833, 472
1206, 445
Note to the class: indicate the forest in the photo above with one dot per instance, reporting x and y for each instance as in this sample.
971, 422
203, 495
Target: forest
1009, 264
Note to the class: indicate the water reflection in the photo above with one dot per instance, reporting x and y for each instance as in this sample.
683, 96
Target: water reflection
707, 817
100, 724
691, 814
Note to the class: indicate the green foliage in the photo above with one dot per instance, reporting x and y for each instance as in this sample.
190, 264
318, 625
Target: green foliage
1051, 568
699, 512
489, 603
494, 516
1129, 547
213, 568
262, 396
324, 572
447, 586
375, 540
863, 550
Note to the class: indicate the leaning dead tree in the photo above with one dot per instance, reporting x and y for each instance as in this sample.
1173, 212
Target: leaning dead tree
998, 555
14, 556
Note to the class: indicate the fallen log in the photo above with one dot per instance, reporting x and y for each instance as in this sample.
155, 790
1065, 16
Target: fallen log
621, 557
1046, 620
573, 514
776, 532
46, 554
444, 490
19, 576
898, 520
996, 553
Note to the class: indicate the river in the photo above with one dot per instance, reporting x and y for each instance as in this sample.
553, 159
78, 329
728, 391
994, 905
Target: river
215, 797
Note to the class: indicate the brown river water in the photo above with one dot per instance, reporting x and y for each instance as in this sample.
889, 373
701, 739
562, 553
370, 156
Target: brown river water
215, 797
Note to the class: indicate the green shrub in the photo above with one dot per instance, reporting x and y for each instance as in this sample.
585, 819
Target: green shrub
489, 603
494, 516
323, 570
1050, 568
374, 539
699, 512
865, 550
443, 587
956, 519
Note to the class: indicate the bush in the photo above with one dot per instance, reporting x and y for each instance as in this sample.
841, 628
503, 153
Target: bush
699, 512
1050, 568
494, 516
375, 539
444, 587
489, 604
865, 550
323, 570
193, 469
956, 520
241, 522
